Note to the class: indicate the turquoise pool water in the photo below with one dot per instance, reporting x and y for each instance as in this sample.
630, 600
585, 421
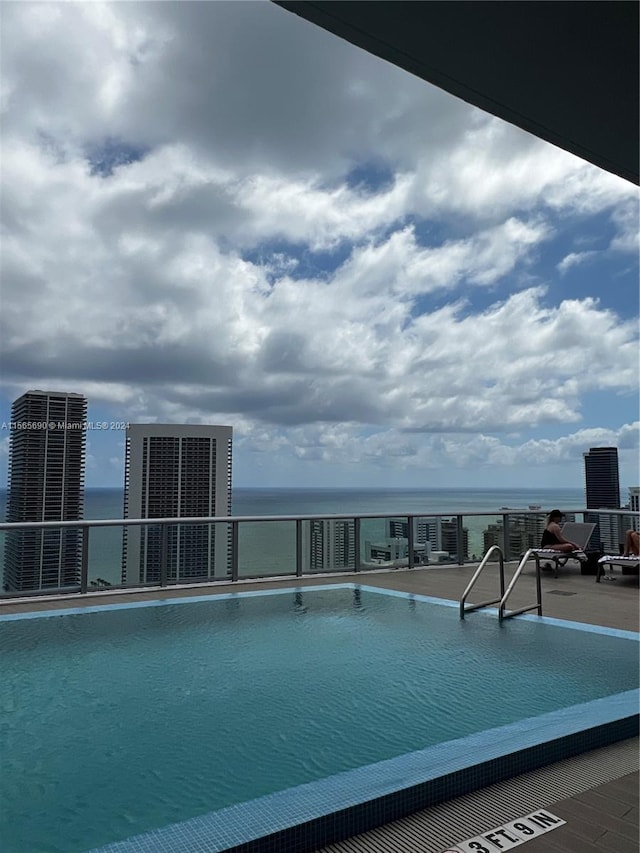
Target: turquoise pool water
117, 722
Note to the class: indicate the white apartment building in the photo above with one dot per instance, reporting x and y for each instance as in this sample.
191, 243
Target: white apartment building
177, 471
331, 544
426, 530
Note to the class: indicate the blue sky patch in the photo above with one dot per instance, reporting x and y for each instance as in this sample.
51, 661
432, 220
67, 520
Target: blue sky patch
308, 264
108, 154
370, 177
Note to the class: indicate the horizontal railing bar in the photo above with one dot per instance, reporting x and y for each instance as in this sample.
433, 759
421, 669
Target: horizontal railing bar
508, 613
72, 593
228, 519
468, 608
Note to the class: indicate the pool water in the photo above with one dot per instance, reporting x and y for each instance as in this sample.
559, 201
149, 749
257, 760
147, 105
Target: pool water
117, 722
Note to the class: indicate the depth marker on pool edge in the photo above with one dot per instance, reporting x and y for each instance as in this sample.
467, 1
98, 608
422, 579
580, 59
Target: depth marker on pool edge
509, 835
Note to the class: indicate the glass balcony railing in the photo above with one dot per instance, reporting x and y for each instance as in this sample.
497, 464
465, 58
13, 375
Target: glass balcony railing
99, 554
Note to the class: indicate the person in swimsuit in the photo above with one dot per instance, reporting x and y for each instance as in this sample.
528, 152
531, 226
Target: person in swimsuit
631, 544
552, 537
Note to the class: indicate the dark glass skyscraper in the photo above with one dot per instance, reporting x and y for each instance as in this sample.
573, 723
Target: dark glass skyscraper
46, 483
601, 477
602, 487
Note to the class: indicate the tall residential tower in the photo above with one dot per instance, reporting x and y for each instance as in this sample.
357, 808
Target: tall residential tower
177, 471
46, 483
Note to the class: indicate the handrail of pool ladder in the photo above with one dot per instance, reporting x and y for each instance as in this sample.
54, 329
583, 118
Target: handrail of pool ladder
468, 608
538, 605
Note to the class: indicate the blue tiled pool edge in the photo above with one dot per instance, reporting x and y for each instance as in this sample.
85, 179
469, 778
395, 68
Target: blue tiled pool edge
338, 826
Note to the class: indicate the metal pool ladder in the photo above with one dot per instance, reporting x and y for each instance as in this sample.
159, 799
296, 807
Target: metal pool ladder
468, 608
502, 614
504, 595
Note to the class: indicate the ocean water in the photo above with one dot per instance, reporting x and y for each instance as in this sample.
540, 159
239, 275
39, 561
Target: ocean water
269, 548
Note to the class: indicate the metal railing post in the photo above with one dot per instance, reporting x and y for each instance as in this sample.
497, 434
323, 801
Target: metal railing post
410, 561
505, 536
84, 565
164, 554
234, 550
460, 539
299, 547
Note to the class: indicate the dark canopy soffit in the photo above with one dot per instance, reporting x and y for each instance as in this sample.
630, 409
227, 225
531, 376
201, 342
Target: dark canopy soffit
564, 71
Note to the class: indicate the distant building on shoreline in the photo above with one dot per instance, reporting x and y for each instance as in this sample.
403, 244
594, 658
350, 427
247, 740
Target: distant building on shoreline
177, 471
525, 530
426, 530
331, 544
450, 541
46, 483
435, 534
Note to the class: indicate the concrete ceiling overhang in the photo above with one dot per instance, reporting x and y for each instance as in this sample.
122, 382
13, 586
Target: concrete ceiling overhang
564, 71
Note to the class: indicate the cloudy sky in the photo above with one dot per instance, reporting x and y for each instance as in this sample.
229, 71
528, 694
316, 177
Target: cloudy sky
218, 213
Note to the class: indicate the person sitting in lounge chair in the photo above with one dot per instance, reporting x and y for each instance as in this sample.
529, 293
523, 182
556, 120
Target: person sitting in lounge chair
631, 543
552, 537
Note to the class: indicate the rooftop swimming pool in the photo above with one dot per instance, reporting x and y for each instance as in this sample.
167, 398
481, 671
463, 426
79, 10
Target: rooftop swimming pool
217, 720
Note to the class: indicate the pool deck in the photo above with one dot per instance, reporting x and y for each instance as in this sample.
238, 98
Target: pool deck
602, 812
572, 596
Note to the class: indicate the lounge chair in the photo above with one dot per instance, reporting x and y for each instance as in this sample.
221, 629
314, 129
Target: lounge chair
628, 566
574, 532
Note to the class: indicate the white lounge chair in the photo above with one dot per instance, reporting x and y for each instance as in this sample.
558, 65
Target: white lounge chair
628, 566
577, 532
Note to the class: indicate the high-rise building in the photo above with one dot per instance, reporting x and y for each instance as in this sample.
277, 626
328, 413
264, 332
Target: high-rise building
450, 539
177, 471
395, 551
331, 544
46, 483
440, 534
426, 529
602, 482
525, 531
602, 487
